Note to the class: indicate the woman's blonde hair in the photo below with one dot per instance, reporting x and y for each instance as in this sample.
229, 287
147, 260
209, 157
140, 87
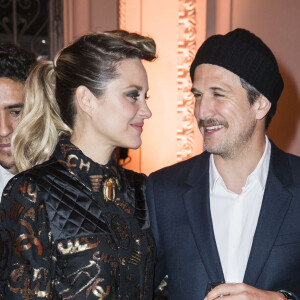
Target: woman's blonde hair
50, 109
37, 134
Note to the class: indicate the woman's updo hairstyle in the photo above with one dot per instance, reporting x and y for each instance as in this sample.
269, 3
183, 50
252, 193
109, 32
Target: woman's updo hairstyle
49, 109
92, 61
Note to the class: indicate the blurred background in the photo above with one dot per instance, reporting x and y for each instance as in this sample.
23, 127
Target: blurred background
178, 27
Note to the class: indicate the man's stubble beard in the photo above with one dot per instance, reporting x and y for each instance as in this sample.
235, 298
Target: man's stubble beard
9, 166
231, 149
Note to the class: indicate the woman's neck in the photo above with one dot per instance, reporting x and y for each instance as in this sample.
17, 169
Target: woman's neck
96, 151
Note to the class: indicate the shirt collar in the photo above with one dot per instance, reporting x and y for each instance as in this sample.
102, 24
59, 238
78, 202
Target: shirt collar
214, 175
260, 173
5, 172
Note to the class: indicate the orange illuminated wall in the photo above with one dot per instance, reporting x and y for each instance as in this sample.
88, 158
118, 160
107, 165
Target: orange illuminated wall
178, 27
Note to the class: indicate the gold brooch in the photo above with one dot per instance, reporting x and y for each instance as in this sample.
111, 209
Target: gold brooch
109, 189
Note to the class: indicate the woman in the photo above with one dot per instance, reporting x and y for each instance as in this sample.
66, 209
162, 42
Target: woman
76, 226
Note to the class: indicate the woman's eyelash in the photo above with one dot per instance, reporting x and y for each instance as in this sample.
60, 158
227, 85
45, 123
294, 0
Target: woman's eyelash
136, 95
133, 95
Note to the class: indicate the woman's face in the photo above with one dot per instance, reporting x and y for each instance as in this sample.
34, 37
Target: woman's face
119, 113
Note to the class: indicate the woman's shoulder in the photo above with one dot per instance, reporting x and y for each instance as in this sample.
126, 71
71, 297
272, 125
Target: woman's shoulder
41, 172
26, 184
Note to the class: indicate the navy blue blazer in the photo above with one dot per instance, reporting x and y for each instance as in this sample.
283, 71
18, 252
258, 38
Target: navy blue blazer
179, 206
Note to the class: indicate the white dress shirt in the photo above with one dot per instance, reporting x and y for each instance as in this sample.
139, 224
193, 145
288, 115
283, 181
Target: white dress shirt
5, 176
235, 216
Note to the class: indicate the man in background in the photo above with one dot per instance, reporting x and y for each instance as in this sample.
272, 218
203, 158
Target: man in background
15, 65
232, 213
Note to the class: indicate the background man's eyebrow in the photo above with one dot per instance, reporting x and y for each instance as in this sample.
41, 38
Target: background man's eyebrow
195, 91
21, 105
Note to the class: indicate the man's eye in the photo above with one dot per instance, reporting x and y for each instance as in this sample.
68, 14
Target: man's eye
15, 113
198, 96
218, 95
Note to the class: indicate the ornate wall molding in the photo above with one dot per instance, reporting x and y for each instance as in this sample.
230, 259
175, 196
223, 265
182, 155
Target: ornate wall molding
186, 53
122, 14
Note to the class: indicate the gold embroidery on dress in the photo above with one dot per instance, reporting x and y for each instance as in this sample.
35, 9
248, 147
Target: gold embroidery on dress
84, 271
32, 194
120, 229
83, 164
30, 213
27, 293
40, 273
76, 247
44, 294
22, 189
135, 257
96, 182
41, 207
20, 246
27, 189
124, 205
108, 259
70, 165
17, 274
15, 211
65, 148
109, 189
41, 231
98, 290
70, 157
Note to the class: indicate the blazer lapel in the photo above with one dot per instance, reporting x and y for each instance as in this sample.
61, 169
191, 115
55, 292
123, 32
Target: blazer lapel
196, 201
275, 204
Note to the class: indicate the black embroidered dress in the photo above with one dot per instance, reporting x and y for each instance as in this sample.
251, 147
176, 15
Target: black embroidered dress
74, 229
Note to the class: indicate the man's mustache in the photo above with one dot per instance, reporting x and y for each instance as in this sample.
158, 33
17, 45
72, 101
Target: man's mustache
212, 122
6, 140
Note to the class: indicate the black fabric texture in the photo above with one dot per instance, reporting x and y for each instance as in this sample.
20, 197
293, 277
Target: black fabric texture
62, 239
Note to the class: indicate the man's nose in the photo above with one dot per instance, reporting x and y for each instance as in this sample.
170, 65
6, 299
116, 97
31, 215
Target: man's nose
203, 108
5, 126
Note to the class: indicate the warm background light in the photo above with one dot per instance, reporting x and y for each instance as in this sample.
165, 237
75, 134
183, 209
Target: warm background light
168, 23
277, 22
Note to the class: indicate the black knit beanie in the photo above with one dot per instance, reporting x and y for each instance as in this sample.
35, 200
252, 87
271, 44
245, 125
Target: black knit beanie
245, 55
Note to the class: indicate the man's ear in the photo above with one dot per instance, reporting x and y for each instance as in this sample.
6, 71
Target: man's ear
263, 107
84, 99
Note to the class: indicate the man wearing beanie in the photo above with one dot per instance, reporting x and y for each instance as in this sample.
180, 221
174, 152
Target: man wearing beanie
232, 213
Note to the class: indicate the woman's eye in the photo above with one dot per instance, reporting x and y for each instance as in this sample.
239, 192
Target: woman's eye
133, 96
